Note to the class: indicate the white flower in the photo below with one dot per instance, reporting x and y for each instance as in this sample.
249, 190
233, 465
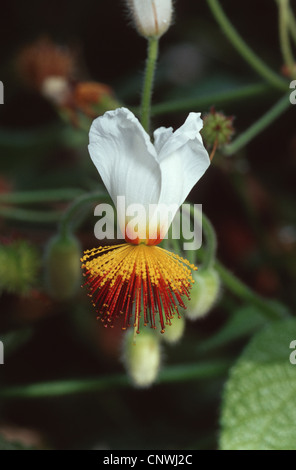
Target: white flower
136, 279
152, 17
159, 175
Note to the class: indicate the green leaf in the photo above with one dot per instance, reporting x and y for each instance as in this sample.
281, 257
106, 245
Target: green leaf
259, 406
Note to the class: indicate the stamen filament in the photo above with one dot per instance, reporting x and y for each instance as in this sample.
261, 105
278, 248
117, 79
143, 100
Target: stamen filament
126, 280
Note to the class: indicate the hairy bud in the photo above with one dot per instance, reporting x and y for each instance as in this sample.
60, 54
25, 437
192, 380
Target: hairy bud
152, 18
218, 129
204, 293
141, 356
174, 332
62, 263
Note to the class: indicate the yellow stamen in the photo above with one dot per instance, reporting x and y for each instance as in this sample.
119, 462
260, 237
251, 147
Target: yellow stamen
128, 279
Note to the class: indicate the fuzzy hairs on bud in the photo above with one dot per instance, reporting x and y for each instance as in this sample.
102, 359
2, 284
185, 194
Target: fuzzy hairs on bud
152, 18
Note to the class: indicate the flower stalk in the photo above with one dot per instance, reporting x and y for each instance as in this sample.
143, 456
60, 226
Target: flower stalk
284, 30
292, 24
40, 196
247, 92
255, 129
171, 374
244, 50
268, 308
210, 252
148, 82
68, 217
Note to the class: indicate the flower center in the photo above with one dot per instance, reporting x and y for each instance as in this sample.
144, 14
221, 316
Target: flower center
147, 237
130, 279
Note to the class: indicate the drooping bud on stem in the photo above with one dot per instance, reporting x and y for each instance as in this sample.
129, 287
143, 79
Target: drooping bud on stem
141, 356
217, 130
152, 18
204, 293
174, 331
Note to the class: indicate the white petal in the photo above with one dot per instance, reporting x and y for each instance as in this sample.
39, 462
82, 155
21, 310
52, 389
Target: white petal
132, 167
183, 161
161, 136
125, 157
189, 131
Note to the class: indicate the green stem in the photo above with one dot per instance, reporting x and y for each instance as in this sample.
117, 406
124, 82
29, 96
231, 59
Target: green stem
69, 215
258, 126
292, 24
148, 82
240, 45
268, 308
209, 254
47, 136
210, 234
180, 373
284, 12
40, 196
247, 92
26, 215
190, 255
172, 243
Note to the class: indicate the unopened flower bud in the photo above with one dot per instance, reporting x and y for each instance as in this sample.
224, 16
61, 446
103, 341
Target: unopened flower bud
152, 18
204, 293
141, 356
174, 332
218, 129
62, 263
19, 265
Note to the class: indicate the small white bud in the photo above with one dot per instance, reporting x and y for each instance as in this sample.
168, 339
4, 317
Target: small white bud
174, 332
204, 294
152, 18
141, 356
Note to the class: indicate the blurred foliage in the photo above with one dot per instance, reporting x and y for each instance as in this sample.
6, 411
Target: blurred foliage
19, 263
7, 445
